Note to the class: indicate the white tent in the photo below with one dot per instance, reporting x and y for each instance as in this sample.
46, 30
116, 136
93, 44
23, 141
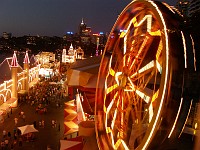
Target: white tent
65, 145
27, 129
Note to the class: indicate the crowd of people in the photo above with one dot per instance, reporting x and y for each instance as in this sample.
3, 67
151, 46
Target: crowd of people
40, 96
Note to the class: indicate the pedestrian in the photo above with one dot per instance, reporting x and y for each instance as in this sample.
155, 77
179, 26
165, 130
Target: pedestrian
15, 136
2, 145
34, 124
42, 123
53, 123
8, 115
19, 132
6, 143
12, 146
48, 147
20, 141
4, 133
23, 117
9, 134
59, 127
15, 142
16, 120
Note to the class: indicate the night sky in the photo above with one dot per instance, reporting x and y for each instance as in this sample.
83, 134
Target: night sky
56, 17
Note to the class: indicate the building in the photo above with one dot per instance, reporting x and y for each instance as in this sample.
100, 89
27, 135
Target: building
194, 7
182, 6
7, 35
85, 33
72, 55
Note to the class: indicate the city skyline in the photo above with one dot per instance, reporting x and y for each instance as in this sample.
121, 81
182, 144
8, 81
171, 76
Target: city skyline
56, 18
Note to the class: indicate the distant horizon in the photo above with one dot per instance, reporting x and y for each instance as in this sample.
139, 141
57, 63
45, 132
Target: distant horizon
56, 18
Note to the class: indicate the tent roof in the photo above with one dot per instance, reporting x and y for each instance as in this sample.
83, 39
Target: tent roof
27, 129
70, 145
89, 65
5, 67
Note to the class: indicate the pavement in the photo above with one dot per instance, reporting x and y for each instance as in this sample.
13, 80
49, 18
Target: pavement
47, 136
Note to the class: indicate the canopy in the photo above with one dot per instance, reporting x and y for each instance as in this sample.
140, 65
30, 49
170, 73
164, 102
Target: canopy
77, 77
70, 145
27, 129
70, 103
70, 127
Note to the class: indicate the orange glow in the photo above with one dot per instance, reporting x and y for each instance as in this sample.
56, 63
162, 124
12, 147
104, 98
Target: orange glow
179, 109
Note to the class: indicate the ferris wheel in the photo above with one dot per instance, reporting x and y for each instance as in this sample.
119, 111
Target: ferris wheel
140, 102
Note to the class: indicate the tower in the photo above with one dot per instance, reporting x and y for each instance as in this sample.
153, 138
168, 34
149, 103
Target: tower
82, 27
14, 69
71, 50
64, 55
26, 73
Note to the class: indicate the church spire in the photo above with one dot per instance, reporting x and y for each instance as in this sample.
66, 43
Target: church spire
71, 46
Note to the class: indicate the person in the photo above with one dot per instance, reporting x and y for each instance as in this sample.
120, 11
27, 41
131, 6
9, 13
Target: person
12, 146
59, 127
6, 143
8, 115
20, 141
18, 132
16, 120
4, 133
53, 123
2, 145
9, 134
34, 124
42, 123
48, 147
23, 117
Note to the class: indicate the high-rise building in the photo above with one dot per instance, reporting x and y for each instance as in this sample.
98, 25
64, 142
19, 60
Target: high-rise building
182, 6
85, 33
194, 7
82, 27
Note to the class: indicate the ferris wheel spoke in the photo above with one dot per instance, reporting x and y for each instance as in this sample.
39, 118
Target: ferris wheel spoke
111, 88
147, 67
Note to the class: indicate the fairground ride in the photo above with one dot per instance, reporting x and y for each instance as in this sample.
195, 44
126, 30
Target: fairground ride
146, 65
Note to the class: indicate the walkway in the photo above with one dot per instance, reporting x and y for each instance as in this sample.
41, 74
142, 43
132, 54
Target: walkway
47, 135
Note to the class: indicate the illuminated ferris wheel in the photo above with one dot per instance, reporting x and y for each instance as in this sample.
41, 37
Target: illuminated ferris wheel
140, 102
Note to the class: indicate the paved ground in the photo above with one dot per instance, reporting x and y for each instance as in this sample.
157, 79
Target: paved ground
47, 135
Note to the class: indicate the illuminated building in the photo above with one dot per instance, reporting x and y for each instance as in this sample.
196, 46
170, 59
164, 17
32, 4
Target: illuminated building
68, 36
99, 38
64, 55
18, 81
85, 33
194, 7
73, 54
82, 27
7, 35
182, 6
